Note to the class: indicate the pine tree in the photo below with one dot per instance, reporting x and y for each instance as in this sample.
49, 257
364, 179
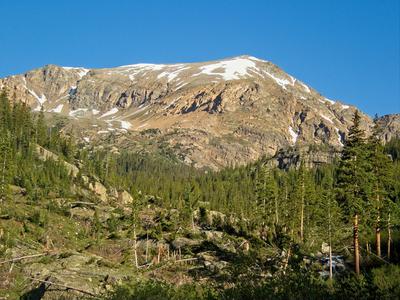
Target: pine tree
267, 196
352, 180
41, 129
5, 165
191, 198
381, 170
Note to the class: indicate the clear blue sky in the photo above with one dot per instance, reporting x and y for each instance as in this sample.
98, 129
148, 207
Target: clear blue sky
347, 50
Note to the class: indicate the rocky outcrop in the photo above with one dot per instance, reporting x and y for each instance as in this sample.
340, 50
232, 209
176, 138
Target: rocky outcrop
99, 189
389, 127
45, 154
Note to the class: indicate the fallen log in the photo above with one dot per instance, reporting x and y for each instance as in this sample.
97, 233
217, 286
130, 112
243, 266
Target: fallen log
67, 287
23, 257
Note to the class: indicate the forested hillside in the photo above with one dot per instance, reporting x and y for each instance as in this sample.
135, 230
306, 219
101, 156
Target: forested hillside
83, 221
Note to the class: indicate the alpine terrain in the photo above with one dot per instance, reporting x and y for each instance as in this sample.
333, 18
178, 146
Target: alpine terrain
227, 179
211, 114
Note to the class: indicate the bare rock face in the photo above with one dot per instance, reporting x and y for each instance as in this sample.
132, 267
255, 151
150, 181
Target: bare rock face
210, 114
390, 127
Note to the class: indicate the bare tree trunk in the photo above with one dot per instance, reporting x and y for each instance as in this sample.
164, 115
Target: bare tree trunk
3, 179
288, 257
389, 241
330, 243
302, 220
356, 246
147, 245
378, 236
135, 246
330, 262
276, 211
302, 210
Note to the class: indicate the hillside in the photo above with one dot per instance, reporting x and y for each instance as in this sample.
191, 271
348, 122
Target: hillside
79, 222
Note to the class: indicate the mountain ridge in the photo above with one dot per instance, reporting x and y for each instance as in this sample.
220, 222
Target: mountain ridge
210, 114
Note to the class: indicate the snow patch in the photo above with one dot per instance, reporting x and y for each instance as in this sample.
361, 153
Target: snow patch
171, 75
113, 111
81, 71
282, 82
256, 59
58, 109
72, 90
102, 132
345, 106
125, 125
181, 86
77, 112
141, 108
330, 101
143, 125
38, 108
42, 99
230, 69
86, 139
132, 70
293, 134
326, 118
306, 88
339, 137
95, 111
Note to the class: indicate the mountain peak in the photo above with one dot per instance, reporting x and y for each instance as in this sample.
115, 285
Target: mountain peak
250, 106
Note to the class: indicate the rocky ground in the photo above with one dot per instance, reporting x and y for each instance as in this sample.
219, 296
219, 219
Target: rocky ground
85, 245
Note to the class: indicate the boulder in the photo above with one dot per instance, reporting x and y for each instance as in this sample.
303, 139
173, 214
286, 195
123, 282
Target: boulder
213, 234
183, 242
325, 248
99, 189
125, 198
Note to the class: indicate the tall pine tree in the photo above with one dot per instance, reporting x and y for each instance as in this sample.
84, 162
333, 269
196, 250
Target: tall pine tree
353, 180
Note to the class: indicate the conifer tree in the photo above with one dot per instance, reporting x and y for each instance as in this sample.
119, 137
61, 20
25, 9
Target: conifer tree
41, 130
380, 182
352, 180
5, 165
267, 196
191, 198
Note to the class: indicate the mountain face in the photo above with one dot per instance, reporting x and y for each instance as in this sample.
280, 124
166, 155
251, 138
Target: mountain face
210, 114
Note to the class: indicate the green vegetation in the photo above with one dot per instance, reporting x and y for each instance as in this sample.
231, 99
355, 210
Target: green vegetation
253, 231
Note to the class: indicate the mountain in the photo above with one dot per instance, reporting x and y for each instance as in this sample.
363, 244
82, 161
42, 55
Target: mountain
210, 114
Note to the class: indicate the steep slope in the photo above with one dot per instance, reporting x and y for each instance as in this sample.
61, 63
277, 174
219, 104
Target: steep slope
209, 114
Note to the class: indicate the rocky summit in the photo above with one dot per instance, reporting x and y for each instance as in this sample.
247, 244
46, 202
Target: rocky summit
209, 114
